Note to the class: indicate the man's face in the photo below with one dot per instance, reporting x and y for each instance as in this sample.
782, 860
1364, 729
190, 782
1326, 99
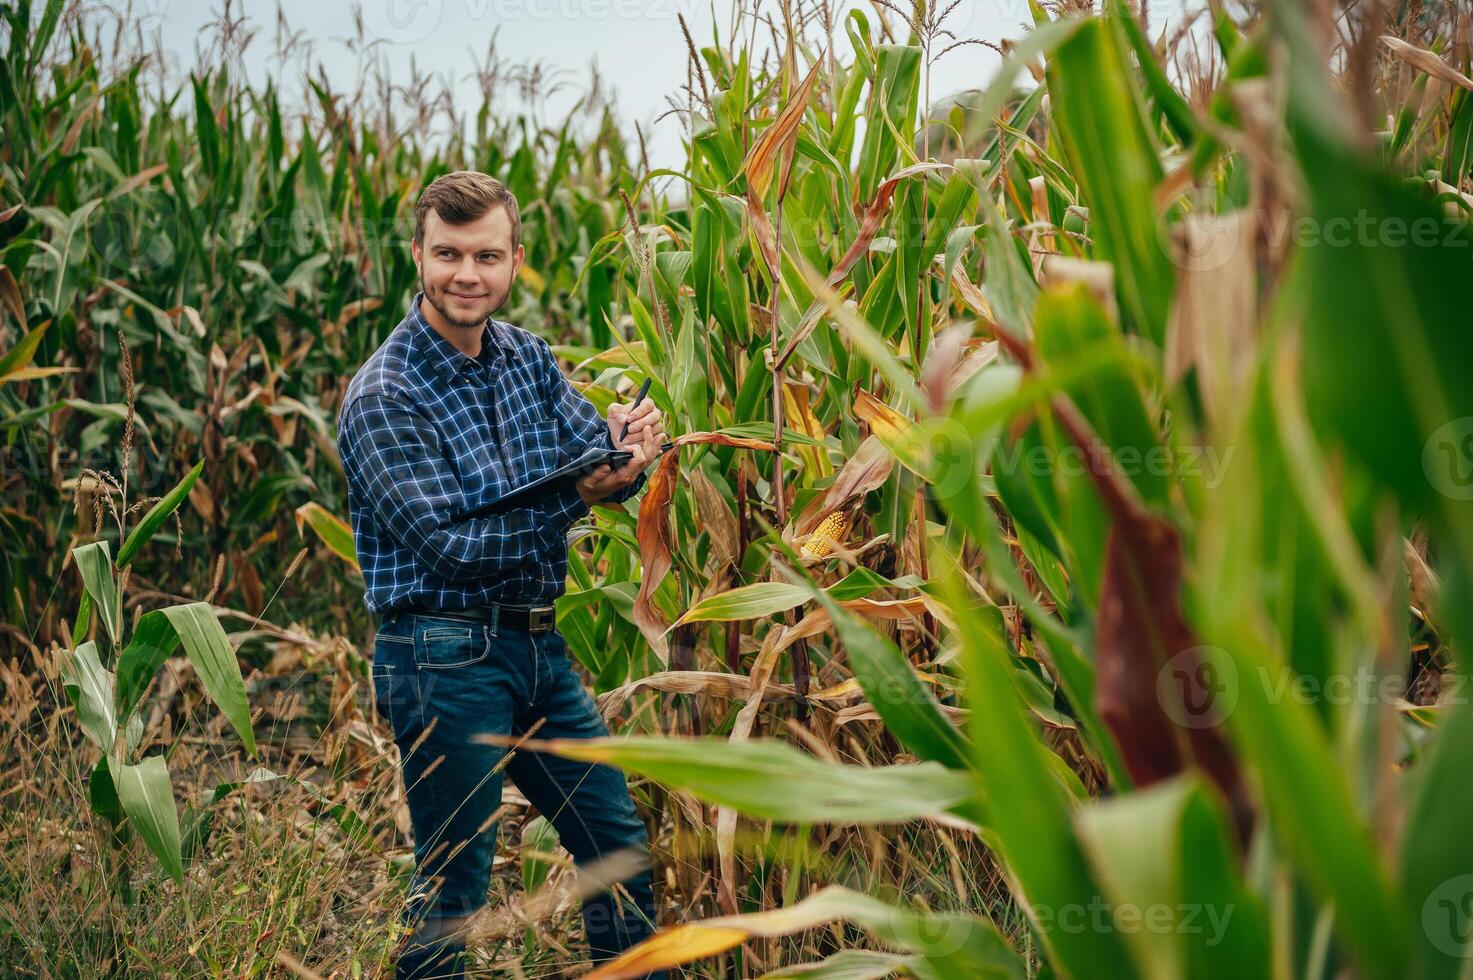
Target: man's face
466, 271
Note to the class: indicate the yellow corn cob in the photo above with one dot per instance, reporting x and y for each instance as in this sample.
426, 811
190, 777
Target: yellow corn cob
830, 531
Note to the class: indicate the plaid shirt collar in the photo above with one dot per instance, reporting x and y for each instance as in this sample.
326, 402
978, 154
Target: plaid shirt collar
444, 359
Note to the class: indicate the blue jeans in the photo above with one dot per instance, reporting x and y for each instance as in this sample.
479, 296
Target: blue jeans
440, 682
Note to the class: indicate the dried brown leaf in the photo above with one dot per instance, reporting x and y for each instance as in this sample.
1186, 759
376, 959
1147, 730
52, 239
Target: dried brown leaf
1211, 326
869, 467
653, 532
655, 548
139, 179
356, 309
716, 518
1141, 631
1424, 60
885, 422
779, 137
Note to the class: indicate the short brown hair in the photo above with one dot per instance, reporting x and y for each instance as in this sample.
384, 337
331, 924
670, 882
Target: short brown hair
463, 196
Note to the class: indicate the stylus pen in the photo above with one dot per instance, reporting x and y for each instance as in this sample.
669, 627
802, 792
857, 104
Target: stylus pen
644, 389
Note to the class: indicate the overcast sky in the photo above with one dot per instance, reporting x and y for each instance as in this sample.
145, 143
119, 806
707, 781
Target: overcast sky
636, 44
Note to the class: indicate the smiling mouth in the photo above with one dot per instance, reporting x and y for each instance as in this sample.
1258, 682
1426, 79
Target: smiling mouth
465, 297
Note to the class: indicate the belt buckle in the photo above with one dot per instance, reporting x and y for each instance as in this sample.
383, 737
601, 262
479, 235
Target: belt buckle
541, 619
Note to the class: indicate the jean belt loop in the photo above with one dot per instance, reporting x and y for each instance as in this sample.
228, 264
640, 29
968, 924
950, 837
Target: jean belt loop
495, 617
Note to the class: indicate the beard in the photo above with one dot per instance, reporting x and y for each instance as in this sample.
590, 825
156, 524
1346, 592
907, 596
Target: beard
455, 313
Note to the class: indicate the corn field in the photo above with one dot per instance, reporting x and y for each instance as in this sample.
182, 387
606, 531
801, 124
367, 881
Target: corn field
1056, 573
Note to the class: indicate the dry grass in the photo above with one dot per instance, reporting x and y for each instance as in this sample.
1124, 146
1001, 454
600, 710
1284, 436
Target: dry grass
281, 885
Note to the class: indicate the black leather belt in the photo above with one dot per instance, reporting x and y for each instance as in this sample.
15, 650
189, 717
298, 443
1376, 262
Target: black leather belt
533, 619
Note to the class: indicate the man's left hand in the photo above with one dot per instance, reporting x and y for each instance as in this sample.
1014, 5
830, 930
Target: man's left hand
646, 435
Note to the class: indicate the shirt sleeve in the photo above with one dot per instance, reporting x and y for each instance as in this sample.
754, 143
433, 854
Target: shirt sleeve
565, 506
584, 426
405, 478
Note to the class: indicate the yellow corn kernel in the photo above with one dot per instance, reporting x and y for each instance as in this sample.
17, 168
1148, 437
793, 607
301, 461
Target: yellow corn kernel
830, 531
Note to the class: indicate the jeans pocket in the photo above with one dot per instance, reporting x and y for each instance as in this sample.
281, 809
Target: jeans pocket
445, 645
383, 691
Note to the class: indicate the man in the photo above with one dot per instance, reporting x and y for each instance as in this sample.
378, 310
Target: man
454, 410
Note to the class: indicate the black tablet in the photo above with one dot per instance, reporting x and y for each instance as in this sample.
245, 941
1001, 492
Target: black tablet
523, 496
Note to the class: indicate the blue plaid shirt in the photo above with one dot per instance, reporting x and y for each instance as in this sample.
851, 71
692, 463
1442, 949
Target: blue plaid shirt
426, 432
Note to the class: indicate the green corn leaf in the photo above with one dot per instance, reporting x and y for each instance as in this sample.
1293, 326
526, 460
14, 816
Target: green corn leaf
1435, 856
1009, 285
537, 835
1458, 159
863, 581
102, 794
157, 515
850, 964
774, 781
19, 356
153, 641
745, 602
1028, 809
147, 797
907, 707
1168, 101
206, 130
208, 648
1386, 306
1171, 883
1307, 797
1112, 155
1067, 320
94, 561
895, 91
84, 618
90, 687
